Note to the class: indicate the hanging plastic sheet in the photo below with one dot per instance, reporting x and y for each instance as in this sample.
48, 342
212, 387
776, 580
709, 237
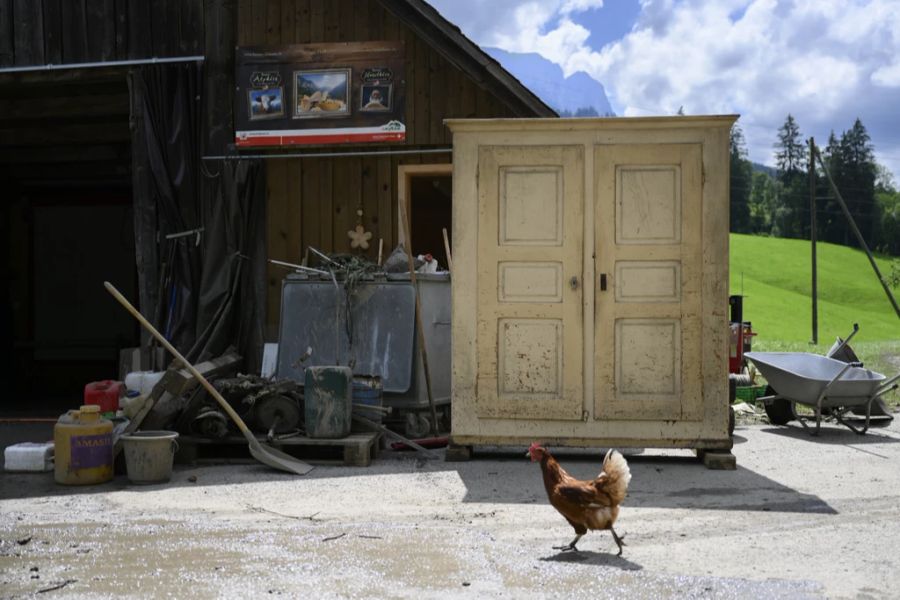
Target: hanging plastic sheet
206, 290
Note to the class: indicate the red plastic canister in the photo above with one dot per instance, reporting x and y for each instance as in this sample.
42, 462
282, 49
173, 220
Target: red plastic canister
104, 394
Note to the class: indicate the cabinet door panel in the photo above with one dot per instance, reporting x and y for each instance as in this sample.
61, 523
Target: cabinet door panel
648, 201
529, 314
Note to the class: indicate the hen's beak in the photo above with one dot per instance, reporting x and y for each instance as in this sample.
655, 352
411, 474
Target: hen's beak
527, 454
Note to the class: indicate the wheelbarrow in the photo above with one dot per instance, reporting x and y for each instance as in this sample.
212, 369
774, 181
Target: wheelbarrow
831, 387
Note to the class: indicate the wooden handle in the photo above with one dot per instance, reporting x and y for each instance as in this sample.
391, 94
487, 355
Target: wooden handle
206, 384
447, 250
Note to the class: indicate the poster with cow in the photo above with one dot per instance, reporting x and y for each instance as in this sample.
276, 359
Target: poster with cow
313, 94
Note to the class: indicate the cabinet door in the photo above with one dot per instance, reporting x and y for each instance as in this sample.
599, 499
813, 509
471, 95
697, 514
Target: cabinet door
648, 201
530, 264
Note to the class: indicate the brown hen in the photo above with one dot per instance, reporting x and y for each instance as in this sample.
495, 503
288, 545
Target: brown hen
585, 504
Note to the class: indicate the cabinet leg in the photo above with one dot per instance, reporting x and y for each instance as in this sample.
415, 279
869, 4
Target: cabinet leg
718, 459
458, 453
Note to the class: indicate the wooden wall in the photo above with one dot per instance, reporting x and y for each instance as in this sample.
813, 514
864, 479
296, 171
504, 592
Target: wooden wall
37, 32
72, 124
313, 201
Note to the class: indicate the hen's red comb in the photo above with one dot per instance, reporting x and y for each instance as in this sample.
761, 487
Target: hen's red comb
533, 446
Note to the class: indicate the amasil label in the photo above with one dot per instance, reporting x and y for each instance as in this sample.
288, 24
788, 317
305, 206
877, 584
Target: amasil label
88, 451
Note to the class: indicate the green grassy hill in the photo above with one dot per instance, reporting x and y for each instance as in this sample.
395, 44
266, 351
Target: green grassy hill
773, 274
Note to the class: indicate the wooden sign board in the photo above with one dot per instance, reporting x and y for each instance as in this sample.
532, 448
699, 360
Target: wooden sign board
311, 94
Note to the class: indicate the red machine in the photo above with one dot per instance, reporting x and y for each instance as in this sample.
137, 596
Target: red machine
741, 335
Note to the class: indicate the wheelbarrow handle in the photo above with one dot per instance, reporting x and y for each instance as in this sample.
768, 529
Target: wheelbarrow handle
887, 385
844, 342
834, 380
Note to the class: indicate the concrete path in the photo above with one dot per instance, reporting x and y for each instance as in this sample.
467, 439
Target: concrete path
801, 517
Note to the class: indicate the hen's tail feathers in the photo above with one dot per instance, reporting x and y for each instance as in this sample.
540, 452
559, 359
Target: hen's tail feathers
617, 475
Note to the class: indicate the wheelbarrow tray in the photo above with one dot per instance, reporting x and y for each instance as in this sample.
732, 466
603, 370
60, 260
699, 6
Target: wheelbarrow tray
827, 385
802, 377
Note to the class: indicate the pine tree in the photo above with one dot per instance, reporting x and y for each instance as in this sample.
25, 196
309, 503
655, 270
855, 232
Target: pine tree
741, 181
792, 206
762, 203
832, 224
859, 164
789, 150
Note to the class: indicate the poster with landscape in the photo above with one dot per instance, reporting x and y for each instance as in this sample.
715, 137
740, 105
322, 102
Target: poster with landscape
316, 94
321, 94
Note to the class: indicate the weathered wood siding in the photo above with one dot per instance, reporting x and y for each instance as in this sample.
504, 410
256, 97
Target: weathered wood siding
38, 32
313, 201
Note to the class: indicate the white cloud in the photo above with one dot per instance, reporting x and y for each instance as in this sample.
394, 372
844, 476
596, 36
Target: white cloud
888, 76
557, 45
827, 62
570, 6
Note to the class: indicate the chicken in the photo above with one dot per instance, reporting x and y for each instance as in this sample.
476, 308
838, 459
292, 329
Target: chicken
585, 504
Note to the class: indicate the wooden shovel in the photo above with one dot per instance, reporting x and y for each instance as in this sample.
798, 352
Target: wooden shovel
261, 452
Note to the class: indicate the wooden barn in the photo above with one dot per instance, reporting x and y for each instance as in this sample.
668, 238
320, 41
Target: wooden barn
125, 158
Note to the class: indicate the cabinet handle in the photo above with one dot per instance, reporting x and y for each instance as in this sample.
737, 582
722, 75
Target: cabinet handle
602, 282
573, 283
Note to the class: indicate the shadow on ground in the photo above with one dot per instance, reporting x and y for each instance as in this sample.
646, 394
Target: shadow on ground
505, 476
832, 434
589, 557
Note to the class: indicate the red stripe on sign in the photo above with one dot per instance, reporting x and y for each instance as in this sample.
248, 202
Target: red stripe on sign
335, 138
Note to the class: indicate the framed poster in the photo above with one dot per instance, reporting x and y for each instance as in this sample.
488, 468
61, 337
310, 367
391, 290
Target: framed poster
322, 93
265, 96
313, 94
375, 98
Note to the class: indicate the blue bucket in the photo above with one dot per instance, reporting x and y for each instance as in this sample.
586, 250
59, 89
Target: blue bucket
367, 391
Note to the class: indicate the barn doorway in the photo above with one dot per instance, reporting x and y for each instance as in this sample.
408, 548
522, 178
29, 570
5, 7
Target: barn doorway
67, 225
427, 191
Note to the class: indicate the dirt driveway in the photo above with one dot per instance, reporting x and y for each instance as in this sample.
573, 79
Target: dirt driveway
801, 517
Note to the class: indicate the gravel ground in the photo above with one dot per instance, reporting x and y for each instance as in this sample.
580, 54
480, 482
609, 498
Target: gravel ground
802, 517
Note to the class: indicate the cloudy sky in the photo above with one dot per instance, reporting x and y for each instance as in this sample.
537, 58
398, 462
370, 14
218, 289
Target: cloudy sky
824, 61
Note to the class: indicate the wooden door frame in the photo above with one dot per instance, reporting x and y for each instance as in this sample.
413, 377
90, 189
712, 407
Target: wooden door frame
405, 173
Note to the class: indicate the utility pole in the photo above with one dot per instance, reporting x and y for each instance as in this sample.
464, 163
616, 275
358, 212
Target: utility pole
857, 233
813, 235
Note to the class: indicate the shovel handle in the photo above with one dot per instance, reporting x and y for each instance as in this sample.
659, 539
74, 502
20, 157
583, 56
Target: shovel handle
203, 381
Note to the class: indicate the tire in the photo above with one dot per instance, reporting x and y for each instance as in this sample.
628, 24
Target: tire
781, 411
731, 421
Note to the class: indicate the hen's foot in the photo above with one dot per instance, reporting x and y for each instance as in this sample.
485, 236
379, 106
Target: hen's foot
566, 548
620, 540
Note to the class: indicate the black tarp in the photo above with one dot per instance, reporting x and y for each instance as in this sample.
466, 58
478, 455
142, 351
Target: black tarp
165, 121
232, 297
205, 292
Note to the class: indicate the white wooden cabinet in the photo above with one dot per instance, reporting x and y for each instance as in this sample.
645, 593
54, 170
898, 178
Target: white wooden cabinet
590, 283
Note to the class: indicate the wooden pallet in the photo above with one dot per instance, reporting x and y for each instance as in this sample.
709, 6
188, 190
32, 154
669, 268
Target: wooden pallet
355, 450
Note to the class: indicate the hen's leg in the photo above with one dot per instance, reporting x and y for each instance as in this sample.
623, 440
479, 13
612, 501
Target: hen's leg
620, 540
571, 545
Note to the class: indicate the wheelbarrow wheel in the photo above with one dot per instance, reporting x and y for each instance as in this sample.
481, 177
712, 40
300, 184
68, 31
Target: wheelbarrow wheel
780, 411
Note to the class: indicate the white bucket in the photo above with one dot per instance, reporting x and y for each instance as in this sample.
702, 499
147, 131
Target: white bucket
149, 455
143, 381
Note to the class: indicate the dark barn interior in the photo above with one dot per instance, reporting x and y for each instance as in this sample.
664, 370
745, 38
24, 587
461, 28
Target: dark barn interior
95, 156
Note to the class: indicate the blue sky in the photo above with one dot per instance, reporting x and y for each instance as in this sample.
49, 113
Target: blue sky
826, 62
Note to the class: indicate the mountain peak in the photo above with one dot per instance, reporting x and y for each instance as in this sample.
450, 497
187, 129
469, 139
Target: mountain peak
577, 93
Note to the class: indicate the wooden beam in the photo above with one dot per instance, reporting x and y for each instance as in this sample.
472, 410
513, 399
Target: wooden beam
221, 35
76, 153
140, 40
28, 41
103, 170
76, 133
301, 21
53, 31
100, 25
75, 33
7, 52
109, 105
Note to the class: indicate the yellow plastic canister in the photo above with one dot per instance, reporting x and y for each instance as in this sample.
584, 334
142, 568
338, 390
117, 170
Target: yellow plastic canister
84, 449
